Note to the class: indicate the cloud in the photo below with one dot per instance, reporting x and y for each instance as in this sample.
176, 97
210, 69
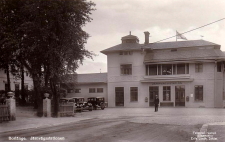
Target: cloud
92, 67
113, 19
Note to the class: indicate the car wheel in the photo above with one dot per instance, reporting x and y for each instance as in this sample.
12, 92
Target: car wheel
102, 108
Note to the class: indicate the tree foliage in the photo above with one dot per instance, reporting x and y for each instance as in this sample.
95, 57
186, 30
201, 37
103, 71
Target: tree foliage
46, 36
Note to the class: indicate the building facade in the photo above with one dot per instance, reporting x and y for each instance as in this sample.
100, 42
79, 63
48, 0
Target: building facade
15, 82
182, 73
90, 85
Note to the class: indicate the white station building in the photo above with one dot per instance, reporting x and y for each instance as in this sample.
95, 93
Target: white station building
183, 73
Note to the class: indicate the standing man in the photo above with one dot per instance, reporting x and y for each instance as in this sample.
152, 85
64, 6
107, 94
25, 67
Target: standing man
156, 103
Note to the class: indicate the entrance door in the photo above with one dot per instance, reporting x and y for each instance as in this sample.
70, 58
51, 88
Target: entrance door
153, 90
179, 95
119, 91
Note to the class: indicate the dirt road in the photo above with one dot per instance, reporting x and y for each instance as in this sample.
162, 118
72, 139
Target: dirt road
110, 130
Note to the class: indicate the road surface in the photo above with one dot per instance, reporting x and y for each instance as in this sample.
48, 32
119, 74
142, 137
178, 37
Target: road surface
106, 130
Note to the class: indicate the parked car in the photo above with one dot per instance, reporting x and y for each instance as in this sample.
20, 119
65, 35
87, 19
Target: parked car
83, 104
77, 107
97, 102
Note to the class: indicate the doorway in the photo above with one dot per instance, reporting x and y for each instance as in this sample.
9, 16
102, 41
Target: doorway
119, 91
153, 91
180, 95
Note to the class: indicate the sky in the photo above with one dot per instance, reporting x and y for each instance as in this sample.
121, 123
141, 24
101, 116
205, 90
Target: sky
114, 19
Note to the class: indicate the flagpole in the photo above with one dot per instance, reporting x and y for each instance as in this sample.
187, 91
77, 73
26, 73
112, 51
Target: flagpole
176, 36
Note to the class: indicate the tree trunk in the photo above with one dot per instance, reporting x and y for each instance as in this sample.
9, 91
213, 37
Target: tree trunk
46, 68
23, 101
55, 97
38, 96
8, 79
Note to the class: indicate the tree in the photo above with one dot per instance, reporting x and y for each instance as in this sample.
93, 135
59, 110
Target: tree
49, 40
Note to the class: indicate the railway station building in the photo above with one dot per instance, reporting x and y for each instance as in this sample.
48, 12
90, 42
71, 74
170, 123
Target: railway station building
182, 73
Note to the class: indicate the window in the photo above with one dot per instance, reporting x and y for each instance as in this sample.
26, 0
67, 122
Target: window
91, 90
70, 90
125, 53
198, 93
166, 93
180, 68
26, 87
219, 66
187, 68
130, 52
133, 94
126, 69
159, 69
152, 69
99, 90
167, 69
198, 67
77, 90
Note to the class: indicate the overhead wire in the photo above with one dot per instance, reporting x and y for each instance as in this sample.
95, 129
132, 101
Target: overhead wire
190, 30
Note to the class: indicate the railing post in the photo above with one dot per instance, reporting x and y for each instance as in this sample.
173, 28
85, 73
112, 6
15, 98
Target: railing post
11, 103
47, 106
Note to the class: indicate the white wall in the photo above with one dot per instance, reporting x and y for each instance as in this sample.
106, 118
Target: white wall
3, 80
205, 78
84, 92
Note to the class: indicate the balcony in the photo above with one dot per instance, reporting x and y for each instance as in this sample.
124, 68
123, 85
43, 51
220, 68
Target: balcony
168, 78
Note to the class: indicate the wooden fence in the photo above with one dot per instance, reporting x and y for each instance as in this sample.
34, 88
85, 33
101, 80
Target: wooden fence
4, 113
66, 110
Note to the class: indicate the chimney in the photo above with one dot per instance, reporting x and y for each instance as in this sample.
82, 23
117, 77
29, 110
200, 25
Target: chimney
146, 37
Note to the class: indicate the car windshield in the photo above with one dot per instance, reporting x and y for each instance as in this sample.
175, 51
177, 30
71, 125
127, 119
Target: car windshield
81, 100
71, 100
100, 99
91, 99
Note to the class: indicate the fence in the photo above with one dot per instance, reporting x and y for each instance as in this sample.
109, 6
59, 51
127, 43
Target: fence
4, 113
66, 110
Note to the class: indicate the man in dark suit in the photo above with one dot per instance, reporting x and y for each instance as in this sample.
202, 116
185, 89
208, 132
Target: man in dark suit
156, 103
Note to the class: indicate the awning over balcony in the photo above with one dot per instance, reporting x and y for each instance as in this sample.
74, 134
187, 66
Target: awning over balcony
167, 78
183, 55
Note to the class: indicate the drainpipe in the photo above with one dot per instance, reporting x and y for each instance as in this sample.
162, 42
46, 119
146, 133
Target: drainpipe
215, 67
223, 82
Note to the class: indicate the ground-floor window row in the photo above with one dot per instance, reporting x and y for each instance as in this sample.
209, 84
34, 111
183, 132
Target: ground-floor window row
91, 90
17, 87
154, 90
95, 90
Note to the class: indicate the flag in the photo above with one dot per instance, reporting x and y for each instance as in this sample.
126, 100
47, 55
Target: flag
180, 36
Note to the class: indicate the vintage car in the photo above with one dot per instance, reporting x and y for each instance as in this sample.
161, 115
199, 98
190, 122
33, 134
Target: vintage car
77, 107
84, 105
97, 102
